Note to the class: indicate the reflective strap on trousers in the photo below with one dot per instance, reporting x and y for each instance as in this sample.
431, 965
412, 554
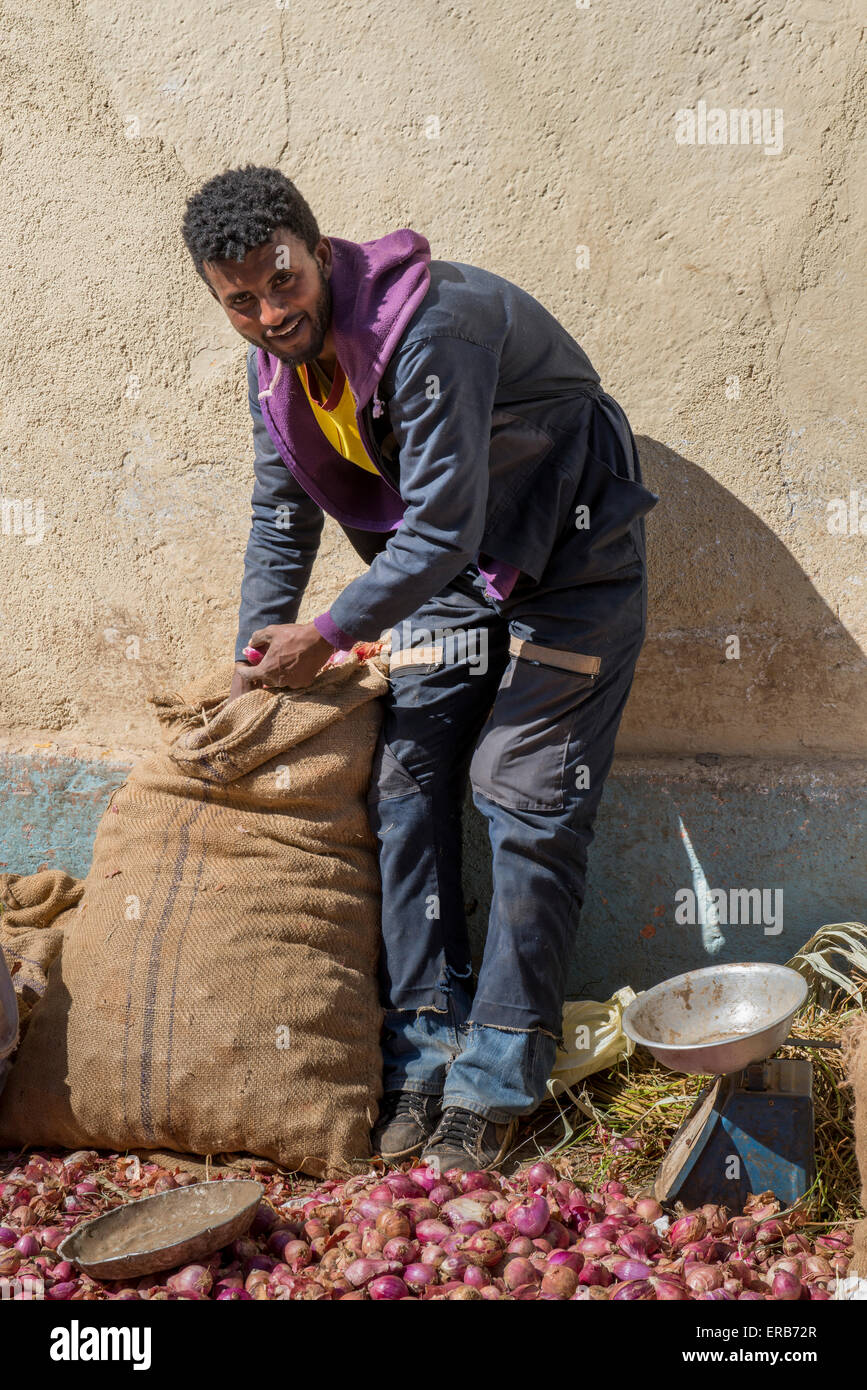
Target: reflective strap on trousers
416, 656
553, 656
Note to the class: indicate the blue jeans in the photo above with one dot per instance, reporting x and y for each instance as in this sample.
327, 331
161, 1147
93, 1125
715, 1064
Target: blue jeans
537, 739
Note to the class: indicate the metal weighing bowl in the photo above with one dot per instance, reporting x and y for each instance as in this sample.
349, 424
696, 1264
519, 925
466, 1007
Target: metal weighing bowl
179, 1227
717, 1020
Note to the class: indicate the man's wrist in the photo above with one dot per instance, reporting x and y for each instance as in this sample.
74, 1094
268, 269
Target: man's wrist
335, 636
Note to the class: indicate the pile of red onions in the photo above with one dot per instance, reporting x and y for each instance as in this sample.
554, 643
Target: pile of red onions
413, 1234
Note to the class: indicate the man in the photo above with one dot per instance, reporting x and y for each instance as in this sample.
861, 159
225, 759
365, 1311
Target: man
462, 440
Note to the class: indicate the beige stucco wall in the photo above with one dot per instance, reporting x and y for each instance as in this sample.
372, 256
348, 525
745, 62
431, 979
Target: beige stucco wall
123, 414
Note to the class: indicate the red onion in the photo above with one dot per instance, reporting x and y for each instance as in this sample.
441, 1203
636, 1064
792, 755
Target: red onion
386, 1287
425, 1178
769, 1232
418, 1276
572, 1258
418, 1209
51, 1236
648, 1209
8, 1237
432, 1231
559, 1281
593, 1273
233, 1295
818, 1294
633, 1246
360, 1272
531, 1217
441, 1193
687, 1229
750, 1295
476, 1181
594, 1246
702, 1278
61, 1292
191, 1279
519, 1272
392, 1223
668, 1289
786, 1286
476, 1276
453, 1266
635, 1289
402, 1185
483, 1248
630, 1269
540, 1175
520, 1245
401, 1249
27, 1245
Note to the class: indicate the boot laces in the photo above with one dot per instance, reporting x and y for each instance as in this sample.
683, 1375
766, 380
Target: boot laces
460, 1127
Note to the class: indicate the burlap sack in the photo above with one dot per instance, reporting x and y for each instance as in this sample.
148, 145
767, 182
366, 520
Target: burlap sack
30, 934
216, 989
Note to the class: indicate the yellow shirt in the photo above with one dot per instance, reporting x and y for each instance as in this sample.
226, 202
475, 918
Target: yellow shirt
337, 421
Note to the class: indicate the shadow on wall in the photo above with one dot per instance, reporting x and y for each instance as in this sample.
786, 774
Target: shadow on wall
731, 826
743, 655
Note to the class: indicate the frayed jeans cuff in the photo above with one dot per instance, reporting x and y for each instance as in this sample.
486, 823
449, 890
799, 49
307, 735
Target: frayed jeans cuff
417, 1088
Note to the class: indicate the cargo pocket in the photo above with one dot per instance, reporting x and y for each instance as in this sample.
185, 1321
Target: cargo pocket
389, 778
521, 757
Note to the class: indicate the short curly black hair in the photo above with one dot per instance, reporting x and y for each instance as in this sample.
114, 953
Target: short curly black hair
239, 209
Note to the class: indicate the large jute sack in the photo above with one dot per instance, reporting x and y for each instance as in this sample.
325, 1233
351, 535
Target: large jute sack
216, 988
30, 937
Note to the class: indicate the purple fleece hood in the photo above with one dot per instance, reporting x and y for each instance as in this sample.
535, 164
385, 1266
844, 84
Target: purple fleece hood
376, 287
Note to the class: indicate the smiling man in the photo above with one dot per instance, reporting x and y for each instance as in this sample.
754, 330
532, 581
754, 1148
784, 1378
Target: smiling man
462, 439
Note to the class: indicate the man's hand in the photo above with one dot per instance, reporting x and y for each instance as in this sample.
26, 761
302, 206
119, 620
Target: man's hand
294, 652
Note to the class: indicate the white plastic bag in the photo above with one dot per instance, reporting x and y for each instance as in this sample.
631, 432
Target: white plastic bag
594, 1038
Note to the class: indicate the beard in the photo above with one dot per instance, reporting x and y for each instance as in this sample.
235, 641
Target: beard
319, 321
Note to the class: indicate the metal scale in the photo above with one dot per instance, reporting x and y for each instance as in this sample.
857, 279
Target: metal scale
752, 1129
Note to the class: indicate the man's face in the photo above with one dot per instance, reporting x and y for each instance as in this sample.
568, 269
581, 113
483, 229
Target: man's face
278, 297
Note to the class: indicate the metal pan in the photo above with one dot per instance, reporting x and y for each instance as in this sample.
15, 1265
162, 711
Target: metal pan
179, 1227
717, 1020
